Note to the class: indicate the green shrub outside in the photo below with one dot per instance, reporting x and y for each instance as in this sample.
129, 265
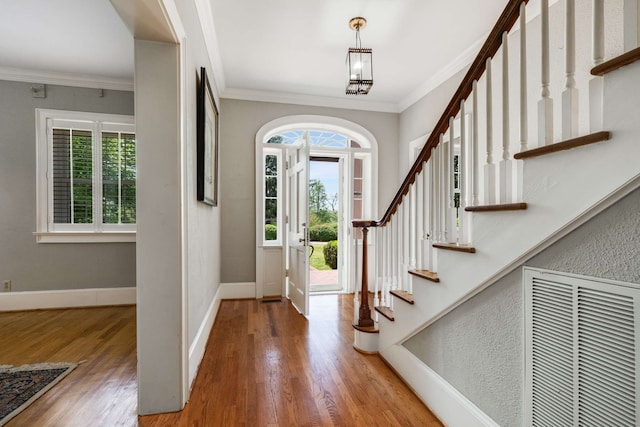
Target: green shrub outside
330, 252
323, 232
270, 232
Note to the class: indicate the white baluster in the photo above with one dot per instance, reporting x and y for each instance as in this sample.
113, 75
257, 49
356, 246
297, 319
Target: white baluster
441, 206
388, 271
570, 94
382, 243
524, 119
393, 244
462, 223
631, 16
434, 207
356, 302
400, 284
437, 182
506, 165
489, 167
451, 211
420, 192
545, 105
406, 210
474, 151
413, 223
378, 257
596, 84
427, 199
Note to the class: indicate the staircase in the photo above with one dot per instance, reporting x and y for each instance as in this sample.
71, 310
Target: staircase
461, 221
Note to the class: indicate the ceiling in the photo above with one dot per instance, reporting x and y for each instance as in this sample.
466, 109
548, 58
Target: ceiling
268, 50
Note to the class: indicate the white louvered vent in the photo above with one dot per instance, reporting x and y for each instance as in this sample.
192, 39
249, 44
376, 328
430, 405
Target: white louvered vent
581, 351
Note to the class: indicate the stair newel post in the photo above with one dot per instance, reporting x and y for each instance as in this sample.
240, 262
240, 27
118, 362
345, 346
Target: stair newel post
364, 311
545, 104
596, 84
489, 167
570, 93
474, 144
506, 165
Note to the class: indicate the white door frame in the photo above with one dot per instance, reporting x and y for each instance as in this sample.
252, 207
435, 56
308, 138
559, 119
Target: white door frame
369, 151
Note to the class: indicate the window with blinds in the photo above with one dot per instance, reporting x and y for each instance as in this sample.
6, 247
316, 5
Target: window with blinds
86, 175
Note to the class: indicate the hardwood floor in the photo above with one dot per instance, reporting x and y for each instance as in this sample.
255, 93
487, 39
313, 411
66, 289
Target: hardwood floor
265, 365
100, 392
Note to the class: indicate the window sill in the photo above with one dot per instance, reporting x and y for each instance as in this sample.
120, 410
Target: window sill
85, 237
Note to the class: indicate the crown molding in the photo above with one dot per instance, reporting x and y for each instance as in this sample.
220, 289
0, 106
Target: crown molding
65, 79
205, 16
459, 63
312, 100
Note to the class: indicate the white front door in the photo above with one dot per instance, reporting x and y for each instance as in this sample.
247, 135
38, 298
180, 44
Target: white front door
297, 227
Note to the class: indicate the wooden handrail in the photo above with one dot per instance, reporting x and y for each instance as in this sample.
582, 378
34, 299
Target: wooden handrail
506, 21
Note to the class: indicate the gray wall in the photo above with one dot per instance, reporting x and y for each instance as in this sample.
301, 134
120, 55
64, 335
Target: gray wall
239, 123
421, 117
29, 265
478, 347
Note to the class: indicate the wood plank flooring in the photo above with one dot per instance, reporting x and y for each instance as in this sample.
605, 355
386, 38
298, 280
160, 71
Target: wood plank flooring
265, 365
100, 392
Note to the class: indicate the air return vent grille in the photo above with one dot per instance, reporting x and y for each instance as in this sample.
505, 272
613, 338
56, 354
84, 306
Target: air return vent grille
581, 351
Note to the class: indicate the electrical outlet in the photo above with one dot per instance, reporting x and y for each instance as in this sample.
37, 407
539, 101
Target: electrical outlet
6, 286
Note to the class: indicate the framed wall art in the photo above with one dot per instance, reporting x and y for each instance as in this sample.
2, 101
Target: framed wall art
207, 143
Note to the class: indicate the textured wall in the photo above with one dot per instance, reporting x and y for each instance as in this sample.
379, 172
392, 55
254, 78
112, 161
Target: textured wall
240, 121
29, 265
478, 347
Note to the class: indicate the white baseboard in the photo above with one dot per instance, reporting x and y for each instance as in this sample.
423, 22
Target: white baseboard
447, 403
199, 344
35, 300
237, 290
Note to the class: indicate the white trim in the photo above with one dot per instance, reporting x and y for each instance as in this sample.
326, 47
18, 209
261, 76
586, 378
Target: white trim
66, 79
445, 73
238, 290
199, 343
37, 300
312, 100
304, 121
85, 237
46, 230
205, 16
447, 403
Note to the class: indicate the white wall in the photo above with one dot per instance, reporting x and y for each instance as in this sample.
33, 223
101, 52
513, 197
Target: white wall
478, 347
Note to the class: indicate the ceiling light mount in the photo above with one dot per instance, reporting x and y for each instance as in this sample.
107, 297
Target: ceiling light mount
359, 62
357, 23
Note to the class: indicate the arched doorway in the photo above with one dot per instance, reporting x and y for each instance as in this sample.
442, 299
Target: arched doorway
285, 149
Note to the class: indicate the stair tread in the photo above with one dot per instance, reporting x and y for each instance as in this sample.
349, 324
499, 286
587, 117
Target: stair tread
426, 274
614, 63
386, 312
403, 295
496, 208
455, 247
564, 145
367, 329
